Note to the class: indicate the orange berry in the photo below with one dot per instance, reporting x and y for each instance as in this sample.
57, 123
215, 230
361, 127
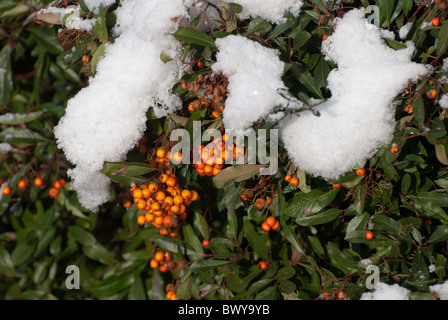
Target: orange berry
336, 186
22, 184
174, 233
194, 195
163, 268
159, 256
215, 114
205, 242
239, 152
288, 177
216, 170
200, 65
177, 157
85, 59
38, 182
409, 108
167, 221
186, 194
6, 190
53, 192
153, 188
156, 206
149, 217
154, 263
158, 221
324, 37
276, 225
265, 227
160, 196
178, 200
161, 152
164, 231
62, 182
262, 264
369, 235
208, 170
169, 201
294, 182
171, 181
137, 193
141, 219
200, 165
163, 178
141, 204
127, 203
182, 208
394, 149
360, 172
435, 22
146, 193
175, 208
271, 221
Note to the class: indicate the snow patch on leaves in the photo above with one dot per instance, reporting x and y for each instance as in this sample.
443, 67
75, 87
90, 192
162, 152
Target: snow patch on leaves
106, 119
358, 118
254, 73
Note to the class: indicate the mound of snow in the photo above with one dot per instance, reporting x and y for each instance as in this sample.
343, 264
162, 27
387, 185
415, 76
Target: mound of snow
254, 73
107, 118
383, 291
358, 118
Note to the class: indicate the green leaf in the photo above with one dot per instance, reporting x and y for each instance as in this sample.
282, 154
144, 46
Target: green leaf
80, 235
237, 173
193, 36
126, 172
316, 245
300, 39
442, 43
45, 38
6, 83
20, 135
184, 290
258, 243
442, 154
440, 234
419, 110
204, 265
6, 264
192, 240
321, 5
286, 273
104, 289
343, 262
290, 235
319, 218
99, 253
383, 222
99, 53
310, 84
201, 225
420, 273
100, 27
21, 253
137, 290
305, 204
421, 296
257, 286
259, 25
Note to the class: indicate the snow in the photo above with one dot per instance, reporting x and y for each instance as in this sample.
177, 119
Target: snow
431, 268
6, 148
443, 101
271, 10
95, 4
445, 65
358, 118
404, 30
383, 291
425, 25
440, 289
74, 21
107, 118
254, 73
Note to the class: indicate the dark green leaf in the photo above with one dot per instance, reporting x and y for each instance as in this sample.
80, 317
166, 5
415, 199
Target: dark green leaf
193, 36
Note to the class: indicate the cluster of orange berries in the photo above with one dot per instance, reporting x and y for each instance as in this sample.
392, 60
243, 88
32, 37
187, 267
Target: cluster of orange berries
270, 223
409, 108
38, 182
164, 202
292, 180
216, 154
212, 97
164, 262
170, 292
